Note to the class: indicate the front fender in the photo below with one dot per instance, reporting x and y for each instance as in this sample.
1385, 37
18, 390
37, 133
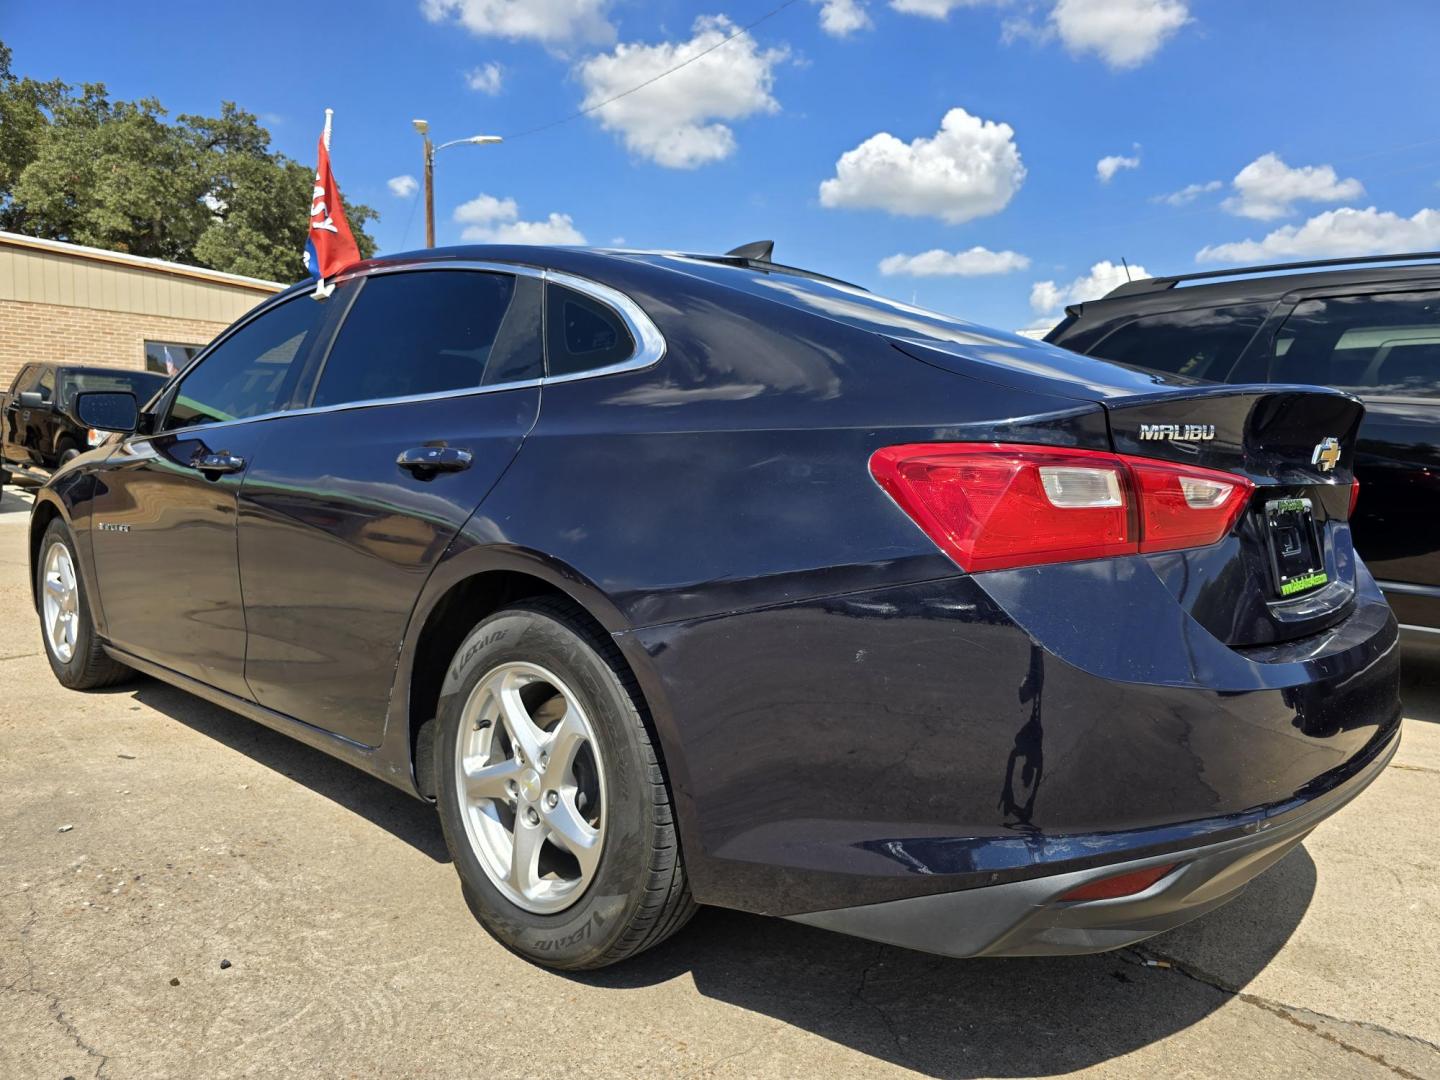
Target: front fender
67, 497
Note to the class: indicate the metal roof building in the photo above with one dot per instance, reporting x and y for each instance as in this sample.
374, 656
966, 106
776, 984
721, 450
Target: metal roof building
84, 305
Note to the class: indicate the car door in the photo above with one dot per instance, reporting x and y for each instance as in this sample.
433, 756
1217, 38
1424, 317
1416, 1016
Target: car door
424, 398
16, 419
1384, 347
164, 510
25, 444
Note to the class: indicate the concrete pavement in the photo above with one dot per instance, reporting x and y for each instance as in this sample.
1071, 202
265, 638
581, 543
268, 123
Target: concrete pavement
197, 837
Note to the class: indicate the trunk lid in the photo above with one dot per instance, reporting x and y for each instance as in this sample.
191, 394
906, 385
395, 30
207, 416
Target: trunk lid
1288, 568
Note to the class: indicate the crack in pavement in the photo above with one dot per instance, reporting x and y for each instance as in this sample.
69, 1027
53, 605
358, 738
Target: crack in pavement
1413, 768
858, 994
52, 1000
1291, 1014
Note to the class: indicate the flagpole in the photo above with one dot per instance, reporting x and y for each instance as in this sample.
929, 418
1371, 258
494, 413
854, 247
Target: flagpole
323, 291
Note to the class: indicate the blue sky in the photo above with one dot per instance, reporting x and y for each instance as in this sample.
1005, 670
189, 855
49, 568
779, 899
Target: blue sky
1300, 128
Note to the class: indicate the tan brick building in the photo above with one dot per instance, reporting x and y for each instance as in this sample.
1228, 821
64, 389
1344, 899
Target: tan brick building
82, 305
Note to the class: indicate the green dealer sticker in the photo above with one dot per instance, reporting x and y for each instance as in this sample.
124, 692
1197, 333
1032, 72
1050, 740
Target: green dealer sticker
1309, 581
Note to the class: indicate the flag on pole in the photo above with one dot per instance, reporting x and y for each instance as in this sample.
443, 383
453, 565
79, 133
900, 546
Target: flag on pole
329, 244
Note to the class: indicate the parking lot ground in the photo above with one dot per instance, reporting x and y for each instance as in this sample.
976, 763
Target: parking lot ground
146, 837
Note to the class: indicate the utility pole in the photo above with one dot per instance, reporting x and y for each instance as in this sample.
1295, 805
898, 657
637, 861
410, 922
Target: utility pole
423, 127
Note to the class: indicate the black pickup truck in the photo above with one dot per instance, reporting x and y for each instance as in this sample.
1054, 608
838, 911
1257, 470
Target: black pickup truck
38, 432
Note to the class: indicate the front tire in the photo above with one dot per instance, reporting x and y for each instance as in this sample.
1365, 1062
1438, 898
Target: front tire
71, 644
551, 793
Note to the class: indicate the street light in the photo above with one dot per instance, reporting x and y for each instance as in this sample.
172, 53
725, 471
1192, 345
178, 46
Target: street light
423, 127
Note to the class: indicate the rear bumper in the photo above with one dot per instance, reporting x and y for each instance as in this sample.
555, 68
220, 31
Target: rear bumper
919, 740
1026, 918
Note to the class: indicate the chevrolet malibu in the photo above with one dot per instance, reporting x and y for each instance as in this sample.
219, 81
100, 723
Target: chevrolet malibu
683, 579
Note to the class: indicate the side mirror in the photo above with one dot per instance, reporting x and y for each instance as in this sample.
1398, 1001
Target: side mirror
32, 399
108, 410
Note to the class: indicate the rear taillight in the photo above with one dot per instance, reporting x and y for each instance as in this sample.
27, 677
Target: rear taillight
990, 506
1354, 497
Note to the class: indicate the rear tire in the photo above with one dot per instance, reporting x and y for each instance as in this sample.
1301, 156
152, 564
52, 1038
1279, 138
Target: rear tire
71, 644
540, 722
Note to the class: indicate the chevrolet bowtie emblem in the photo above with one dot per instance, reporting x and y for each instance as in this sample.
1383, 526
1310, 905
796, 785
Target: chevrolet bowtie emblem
1327, 454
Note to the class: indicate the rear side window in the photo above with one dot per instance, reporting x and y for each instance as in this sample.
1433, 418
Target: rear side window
1202, 343
1382, 345
432, 331
582, 334
254, 370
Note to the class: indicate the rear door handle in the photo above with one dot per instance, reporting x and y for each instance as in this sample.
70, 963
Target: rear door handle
214, 466
423, 462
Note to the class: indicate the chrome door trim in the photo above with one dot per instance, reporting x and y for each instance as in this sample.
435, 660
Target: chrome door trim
649, 342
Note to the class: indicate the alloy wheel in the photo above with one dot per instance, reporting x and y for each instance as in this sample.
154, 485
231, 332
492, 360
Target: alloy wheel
61, 603
531, 787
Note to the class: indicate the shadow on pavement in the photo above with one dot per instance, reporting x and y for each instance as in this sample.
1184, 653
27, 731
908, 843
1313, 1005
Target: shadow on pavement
400, 815
970, 1018
1420, 685
939, 1016
11, 502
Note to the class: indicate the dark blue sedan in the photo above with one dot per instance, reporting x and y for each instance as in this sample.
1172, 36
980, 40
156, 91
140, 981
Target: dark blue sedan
676, 579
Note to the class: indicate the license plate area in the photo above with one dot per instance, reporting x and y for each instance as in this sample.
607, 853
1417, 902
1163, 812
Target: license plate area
1294, 541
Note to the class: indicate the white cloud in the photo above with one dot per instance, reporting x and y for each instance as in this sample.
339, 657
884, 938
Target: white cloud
840, 18
1107, 167
676, 122
935, 9
1267, 188
553, 23
968, 169
974, 262
1123, 33
402, 187
1047, 296
497, 221
487, 79
1341, 232
1189, 193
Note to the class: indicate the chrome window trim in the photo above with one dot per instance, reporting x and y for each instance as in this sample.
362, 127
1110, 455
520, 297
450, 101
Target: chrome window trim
649, 342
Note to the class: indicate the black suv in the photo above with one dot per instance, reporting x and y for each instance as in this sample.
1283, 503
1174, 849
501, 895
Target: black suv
1371, 329
38, 431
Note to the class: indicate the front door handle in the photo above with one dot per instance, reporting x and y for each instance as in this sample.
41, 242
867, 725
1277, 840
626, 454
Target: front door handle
423, 462
214, 466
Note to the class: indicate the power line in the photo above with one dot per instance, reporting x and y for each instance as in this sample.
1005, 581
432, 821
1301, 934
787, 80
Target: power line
654, 79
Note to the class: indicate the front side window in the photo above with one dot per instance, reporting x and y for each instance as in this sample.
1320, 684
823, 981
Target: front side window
1202, 343
46, 383
28, 379
432, 331
582, 334
254, 370
167, 358
1382, 345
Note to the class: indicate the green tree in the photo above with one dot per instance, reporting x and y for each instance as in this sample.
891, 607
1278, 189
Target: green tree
208, 191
